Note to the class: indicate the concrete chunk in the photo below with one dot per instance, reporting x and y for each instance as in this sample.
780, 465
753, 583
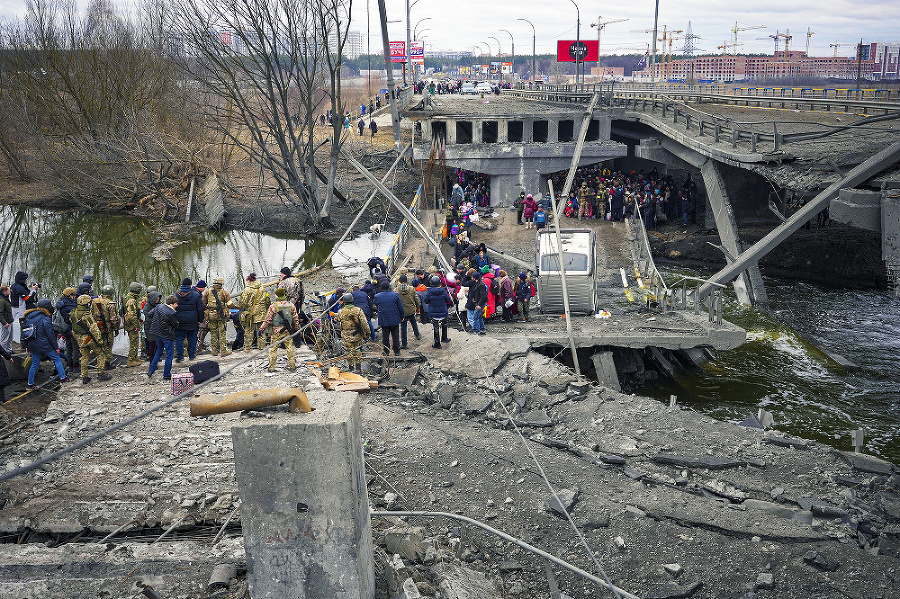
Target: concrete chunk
304, 507
563, 501
698, 461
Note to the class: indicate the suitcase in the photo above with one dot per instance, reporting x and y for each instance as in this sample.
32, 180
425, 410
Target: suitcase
182, 383
203, 371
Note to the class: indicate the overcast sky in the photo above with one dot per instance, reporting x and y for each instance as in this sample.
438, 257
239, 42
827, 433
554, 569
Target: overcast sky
463, 24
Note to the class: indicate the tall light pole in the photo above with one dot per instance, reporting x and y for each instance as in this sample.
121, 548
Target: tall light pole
499, 49
578, 38
416, 28
512, 76
653, 50
408, 57
533, 49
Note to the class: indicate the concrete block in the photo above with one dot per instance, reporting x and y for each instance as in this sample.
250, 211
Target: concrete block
304, 508
606, 370
890, 228
858, 208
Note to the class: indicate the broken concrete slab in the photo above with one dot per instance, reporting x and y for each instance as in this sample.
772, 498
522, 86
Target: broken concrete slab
460, 582
475, 403
406, 541
404, 377
556, 384
698, 461
491, 352
868, 463
670, 590
562, 501
789, 442
820, 562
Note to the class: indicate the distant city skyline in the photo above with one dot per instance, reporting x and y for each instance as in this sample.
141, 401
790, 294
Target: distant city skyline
473, 23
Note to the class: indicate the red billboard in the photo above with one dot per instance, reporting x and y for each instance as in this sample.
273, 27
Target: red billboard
568, 50
398, 51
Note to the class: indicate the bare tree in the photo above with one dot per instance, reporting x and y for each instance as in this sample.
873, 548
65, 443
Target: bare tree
260, 62
100, 101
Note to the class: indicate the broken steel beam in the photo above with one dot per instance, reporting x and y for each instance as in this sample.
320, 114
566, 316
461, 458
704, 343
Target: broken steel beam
869, 168
208, 405
407, 215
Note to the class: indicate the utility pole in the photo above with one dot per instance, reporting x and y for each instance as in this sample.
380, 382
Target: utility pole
859, 64
653, 49
395, 114
533, 50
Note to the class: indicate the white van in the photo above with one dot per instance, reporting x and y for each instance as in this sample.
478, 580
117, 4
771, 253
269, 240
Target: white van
580, 262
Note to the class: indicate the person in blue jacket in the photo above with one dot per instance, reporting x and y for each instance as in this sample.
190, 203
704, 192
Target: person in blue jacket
390, 315
362, 301
190, 315
437, 303
43, 342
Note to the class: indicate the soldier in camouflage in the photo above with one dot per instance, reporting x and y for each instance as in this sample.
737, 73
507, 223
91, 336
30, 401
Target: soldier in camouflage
282, 315
103, 309
293, 288
215, 304
89, 337
132, 314
253, 303
354, 330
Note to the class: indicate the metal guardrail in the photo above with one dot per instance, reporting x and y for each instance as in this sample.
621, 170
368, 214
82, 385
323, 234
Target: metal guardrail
402, 236
702, 124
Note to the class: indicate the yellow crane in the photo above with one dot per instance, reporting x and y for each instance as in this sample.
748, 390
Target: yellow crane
725, 45
836, 45
738, 28
777, 36
668, 56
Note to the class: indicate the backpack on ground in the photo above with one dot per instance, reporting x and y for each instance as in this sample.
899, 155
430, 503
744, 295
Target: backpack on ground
59, 324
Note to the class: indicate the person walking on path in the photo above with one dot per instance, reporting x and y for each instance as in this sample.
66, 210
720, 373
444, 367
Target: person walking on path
528, 210
437, 304
390, 315
103, 309
282, 316
153, 299
216, 313
524, 292
6, 319
476, 301
89, 337
65, 306
164, 321
132, 309
43, 341
5, 381
411, 304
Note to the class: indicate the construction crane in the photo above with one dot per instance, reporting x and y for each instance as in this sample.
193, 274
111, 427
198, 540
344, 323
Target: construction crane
809, 34
601, 25
738, 28
725, 45
668, 56
777, 36
836, 45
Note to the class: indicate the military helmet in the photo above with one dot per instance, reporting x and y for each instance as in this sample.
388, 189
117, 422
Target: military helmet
151, 288
347, 298
219, 281
106, 290
435, 280
135, 287
84, 300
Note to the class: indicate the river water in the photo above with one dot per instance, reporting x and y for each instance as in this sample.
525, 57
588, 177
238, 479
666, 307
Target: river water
783, 369
58, 249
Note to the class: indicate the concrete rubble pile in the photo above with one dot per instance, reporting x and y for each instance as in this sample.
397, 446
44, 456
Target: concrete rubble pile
673, 503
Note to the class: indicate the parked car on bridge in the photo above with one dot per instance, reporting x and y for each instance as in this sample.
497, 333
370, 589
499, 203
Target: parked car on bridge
467, 88
484, 87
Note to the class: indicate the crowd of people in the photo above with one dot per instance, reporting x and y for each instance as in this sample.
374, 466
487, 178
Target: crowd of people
84, 323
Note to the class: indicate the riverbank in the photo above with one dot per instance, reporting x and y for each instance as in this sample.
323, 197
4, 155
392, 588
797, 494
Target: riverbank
673, 503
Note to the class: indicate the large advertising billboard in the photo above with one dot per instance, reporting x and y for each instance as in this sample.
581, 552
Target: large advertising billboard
585, 50
398, 51
417, 52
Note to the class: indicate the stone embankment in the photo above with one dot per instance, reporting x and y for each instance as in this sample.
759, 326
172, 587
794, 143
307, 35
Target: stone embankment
673, 503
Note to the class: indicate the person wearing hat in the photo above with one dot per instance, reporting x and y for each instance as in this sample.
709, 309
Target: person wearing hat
216, 315
293, 288
390, 315
354, 330
190, 315
282, 316
132, 309
64, 306
411, 304
437, 304
520, 207
104, 311
89, 339
477, 299
253, 304
524, 291
43, 342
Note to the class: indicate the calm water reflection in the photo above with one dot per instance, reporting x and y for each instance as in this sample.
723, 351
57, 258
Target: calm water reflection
58, 249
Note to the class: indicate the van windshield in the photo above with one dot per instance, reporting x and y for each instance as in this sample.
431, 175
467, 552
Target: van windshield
573, 262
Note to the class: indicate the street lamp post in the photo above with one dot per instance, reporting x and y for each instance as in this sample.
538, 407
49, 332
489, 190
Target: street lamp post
533, 49
578, 39
512, 71
653, 51
409, 6
499, 49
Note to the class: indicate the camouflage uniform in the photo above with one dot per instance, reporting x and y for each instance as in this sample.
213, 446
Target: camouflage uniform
254, 303
281, 330
89, 337
354, 330
217, 316
584, 197
133, 323
293, 289
105, 314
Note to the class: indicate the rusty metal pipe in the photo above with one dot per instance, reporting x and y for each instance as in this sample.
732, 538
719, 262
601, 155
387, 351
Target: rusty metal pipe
207, 405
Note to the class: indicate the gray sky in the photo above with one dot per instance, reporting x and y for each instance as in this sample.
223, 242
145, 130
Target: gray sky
461, 24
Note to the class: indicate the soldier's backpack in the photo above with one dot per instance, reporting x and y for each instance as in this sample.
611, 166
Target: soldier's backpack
283, 318
59, 324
